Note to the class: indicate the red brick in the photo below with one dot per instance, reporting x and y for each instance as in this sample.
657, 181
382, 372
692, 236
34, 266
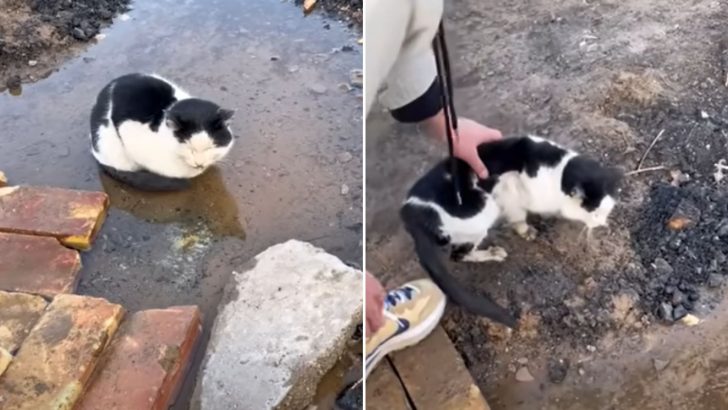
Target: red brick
146, 363
18, 314
447, 386
74, 217
38, 265
55, 362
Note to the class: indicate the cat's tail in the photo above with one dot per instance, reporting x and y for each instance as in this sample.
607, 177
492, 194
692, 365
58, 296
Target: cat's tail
146, 181
428, 246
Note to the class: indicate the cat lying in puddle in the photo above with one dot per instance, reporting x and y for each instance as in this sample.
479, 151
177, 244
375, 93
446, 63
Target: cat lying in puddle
527, 175
152, 135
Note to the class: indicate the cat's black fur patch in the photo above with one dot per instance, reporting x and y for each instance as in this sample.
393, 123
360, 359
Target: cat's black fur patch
194, 115
141, 98
519, 154
591, 179
98, 115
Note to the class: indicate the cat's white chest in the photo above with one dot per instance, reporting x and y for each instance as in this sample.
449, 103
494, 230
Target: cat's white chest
157, 151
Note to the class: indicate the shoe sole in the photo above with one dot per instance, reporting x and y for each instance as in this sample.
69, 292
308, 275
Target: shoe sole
409, 338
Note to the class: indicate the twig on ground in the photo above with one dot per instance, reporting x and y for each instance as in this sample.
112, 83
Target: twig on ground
654, 141
641, 170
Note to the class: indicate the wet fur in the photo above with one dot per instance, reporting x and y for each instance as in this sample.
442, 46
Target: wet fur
149, 133
527, 175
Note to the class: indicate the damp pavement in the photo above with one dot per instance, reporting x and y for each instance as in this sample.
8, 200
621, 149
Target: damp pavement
295, 171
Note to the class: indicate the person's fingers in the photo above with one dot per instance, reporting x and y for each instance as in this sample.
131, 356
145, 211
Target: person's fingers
478, 167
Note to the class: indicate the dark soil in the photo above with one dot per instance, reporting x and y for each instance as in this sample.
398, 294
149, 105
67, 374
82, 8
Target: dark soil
35, 34
604, 78
346, 10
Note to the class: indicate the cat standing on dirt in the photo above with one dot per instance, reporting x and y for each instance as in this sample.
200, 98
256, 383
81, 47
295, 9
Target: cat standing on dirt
152, 135
528, 175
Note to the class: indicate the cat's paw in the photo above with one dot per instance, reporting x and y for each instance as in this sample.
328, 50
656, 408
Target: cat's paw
497, 253
492, 254
525, 231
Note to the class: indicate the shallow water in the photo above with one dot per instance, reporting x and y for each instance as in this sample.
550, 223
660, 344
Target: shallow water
283, 179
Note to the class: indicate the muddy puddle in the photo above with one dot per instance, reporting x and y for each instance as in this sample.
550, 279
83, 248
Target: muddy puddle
299, 128
604, 78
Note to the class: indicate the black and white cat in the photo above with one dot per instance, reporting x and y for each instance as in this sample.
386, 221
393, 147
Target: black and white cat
152, 135
527, 175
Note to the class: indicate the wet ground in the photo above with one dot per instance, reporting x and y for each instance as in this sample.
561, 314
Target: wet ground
295, 172
604, 78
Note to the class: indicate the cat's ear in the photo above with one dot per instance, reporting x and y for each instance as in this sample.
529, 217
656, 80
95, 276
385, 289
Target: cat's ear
225, 114
171, 122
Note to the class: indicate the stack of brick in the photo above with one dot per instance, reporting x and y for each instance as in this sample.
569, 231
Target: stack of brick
64, 351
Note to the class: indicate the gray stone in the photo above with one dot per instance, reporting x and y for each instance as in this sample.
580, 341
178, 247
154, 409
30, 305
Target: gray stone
356, 78
317, 88
283, 323
523, 375
660, 365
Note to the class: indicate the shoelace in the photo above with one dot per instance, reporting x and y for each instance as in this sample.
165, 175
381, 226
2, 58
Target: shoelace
442, 60
396, 296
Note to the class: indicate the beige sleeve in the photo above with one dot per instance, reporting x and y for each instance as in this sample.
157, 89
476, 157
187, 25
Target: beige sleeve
399, 61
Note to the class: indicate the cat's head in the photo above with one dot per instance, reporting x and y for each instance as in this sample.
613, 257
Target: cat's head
591, 190
203, 130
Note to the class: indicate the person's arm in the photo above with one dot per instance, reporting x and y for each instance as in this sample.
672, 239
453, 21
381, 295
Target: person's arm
402, 71
399, 62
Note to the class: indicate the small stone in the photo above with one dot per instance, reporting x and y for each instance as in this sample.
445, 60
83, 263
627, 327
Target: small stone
275, 58
591, 348
685, 216
293, 69
678, 298
679, 312
664, 312
3, 179
344, 189
317, 88
722, 229
715, 280
523, 375
345, 157
690, 320
78, 34
345, 87
704, 115
33, 63
347, 48
663, 267
356, 78
557, 370
675, 244
660, 365
14, 82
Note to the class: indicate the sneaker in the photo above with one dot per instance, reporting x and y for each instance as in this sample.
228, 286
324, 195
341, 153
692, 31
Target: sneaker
411, 311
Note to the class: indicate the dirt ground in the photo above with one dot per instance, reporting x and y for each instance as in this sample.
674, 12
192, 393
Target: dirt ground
603, 77
35, 35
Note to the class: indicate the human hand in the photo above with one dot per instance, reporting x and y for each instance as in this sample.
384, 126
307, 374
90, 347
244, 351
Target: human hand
465, 144
375, 295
